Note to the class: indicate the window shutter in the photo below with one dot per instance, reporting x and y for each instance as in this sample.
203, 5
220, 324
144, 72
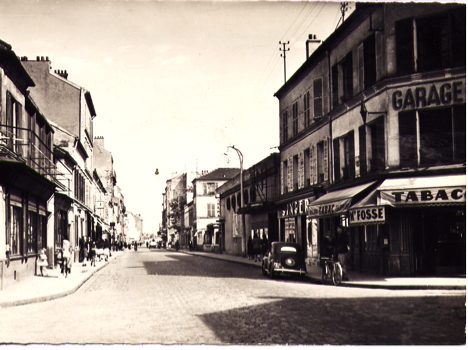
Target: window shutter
301, 170
360, 51
325, 159
282, 178
313, 165
290, 174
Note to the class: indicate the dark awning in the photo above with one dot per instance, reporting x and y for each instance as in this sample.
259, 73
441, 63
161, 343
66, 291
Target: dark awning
337, 202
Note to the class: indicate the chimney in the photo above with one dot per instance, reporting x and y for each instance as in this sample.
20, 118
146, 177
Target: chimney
99, 140
62, 73
312, 40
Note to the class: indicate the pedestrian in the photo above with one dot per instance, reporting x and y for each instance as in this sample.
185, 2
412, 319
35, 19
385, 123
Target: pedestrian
250, 248
66, 257
342, 249
264, 245
86, 251
190, 245
257, 247
92, 254
42, 260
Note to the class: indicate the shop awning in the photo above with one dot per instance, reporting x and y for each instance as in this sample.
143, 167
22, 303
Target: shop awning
366, 211
424, 191
337, 202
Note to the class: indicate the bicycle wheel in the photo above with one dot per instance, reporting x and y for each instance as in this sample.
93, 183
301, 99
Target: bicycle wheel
337, 274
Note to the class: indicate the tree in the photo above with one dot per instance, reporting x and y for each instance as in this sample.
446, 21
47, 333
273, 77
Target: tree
176, 213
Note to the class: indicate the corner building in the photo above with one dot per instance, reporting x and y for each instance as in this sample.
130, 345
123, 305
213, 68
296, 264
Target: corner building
372, 138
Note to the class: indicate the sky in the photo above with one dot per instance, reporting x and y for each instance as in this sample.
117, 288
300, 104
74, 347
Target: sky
174, 83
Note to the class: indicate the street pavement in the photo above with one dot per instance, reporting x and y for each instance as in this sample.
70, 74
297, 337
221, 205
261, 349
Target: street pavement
167, 297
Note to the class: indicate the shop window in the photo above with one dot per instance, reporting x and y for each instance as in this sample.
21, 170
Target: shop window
440, 42
32, 232
432, 137
295, 119
41, 232
307, 109
318, 111
14, 238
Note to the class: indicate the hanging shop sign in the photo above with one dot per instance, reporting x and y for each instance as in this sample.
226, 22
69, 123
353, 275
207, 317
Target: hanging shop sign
429, 95
295, 208
368, 215
429, 196
327, 209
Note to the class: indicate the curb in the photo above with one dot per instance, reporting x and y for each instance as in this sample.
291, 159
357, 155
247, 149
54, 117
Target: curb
316, 280
41, 299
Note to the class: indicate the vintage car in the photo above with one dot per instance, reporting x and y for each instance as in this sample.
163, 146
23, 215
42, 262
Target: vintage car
284, 259
152, 244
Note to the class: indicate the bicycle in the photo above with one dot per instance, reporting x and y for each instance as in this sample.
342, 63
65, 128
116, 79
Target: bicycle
332, 270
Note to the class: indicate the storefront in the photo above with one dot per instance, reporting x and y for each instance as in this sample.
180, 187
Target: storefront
427, 216
293, 225
330, 211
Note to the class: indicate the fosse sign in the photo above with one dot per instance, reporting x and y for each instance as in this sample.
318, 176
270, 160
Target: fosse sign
371, 215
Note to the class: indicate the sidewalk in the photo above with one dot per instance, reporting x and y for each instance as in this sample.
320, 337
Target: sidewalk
35, 289
358, 279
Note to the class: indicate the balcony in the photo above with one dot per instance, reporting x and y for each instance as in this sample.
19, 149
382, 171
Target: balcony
25, 146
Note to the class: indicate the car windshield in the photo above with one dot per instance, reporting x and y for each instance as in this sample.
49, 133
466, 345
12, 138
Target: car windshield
288, 249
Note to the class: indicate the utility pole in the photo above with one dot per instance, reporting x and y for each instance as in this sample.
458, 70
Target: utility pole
284, 56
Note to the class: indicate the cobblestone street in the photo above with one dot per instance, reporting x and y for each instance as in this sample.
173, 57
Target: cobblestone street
162, 297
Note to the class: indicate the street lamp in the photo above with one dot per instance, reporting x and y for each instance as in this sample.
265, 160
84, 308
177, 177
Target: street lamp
241, 160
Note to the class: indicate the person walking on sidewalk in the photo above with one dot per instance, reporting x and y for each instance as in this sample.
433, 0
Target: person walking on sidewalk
42, 261
257, 247
343, 242
66, 257
250, 248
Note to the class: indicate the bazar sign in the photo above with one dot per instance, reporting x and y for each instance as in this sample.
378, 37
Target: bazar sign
429, 95
296, 208
333, 208
424, 196
371, 215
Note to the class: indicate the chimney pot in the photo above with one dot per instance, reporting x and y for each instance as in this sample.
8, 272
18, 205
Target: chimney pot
47, 58
37, 58
42, 58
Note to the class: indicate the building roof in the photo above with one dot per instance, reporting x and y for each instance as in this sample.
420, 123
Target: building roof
219, 174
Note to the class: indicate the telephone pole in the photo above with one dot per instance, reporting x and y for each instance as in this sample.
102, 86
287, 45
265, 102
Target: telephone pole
284, 56
343, 9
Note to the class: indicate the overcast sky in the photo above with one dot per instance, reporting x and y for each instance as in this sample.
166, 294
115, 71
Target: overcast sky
173, 82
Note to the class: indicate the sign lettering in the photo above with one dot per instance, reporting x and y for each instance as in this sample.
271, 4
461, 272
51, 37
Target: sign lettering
371, 215
424, 196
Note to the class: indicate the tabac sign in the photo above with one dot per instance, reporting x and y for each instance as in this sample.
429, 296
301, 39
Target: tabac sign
426, 196
368, 215
332, 208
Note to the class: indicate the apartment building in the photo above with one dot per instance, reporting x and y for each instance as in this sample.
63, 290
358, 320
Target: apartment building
372, 138
28, 175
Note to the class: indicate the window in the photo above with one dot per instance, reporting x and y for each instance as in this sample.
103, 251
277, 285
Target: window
369, 62
228, 203
295, 119
432, 137
431, 43
377, 136
307, 109
209, 188
246, 196
307, 167
253, 194
233, 202
41, 232
320, 163
211, 210
285, 126
362, 150
295, 171
14, 238
285, 176
336, 159
342, 80
348, 156
318, 111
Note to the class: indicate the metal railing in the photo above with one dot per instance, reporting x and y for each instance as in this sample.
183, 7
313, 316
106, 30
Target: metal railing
24, 145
